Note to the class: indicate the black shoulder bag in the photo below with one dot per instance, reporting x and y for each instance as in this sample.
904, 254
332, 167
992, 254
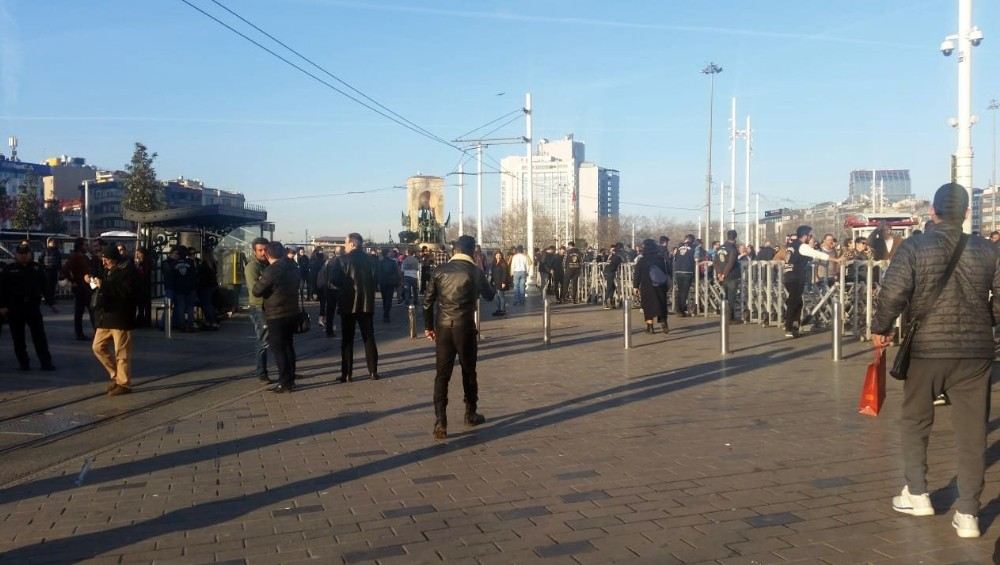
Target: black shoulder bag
302, 323
901, 364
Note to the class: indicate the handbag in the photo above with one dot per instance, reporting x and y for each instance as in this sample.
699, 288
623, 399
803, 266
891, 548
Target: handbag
303, 323
873, 392
901, 364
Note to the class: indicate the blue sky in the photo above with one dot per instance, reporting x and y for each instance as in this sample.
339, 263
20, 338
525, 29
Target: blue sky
830, 86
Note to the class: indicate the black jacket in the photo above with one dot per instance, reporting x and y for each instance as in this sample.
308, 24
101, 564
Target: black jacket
959, 325
388, 272
116, 298
684, 259
573, 260
455, 286
726, 261
279, 286
23, 286
355, 275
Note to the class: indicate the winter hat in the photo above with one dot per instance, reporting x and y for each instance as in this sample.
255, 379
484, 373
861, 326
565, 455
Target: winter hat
951, 202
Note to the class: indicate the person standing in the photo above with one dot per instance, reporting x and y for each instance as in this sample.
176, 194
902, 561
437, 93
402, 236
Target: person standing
52, 263
651, 279
388, 280
684, 269
115, 308
727, 272
411, 271
455, 289
572, 264
355, 275
77, 271
615, 259
519, 266
183, 277
144, 281
279, 286
797, 256
325, 282
500, 279
552, 265
252, 273
207, 286
22, 290
952, 350
302, 260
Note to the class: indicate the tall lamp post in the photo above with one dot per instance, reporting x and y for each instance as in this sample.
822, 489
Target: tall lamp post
968, 36
711, 70
993, 107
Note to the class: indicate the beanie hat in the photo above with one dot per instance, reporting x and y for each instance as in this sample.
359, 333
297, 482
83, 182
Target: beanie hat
951, 202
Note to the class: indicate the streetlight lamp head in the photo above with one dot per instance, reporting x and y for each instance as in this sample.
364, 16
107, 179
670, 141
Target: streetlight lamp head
976, 36
947, 47
712, 69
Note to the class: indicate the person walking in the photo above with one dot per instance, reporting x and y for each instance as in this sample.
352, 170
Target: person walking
255, 305
279, 286
727, 272
355, 275
944, 280
325, 283
552, 265
650, 282
388, 280
115, 309
77, 271
572, 265
519, 266
684, 269
455, 288
207, 285
22, 290
797, 256
500, 279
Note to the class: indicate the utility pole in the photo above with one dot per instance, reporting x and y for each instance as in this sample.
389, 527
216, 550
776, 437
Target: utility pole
967, 37
746, 178
479, 194
529, 193
86, 209
722, 212
711, 70
756, 225
993, 107
733, 133
461, 196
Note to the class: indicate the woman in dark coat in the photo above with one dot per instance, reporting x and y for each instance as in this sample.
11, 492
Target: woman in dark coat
500, 278
651, 280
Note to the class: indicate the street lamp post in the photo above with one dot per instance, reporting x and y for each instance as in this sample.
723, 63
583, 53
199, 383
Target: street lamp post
993, 107
967, 37
711, 70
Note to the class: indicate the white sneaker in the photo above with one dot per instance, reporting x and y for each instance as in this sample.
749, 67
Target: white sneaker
966, 525
912, 504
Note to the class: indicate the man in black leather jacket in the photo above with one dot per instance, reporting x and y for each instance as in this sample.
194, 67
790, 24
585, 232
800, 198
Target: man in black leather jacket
354, 273
279, 287
456, 286
952, 350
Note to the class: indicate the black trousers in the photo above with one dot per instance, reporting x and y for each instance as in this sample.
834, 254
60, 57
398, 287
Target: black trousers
365, 323
683, 282
81, 303
451, 341
609, 288
20, 316
280, 340
330, 312
732, 294
51, 280
387, 291
425, 277
793, 304
570, 291
321, 296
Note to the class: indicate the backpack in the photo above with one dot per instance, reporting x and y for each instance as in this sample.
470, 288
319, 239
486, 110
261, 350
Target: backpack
657, 276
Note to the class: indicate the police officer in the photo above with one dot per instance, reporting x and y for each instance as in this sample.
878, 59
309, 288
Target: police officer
572, 264
22, 288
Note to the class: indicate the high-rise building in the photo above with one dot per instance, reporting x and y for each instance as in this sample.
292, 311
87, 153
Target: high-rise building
571, 196
893, 184
67, 174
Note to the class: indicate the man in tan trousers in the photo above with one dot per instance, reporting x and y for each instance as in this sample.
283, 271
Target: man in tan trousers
115, 319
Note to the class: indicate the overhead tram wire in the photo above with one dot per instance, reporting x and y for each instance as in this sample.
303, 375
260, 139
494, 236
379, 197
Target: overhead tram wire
416, 129
323, 69
519, 111
331, 194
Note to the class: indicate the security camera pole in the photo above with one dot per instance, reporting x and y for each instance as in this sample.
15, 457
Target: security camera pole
967, 37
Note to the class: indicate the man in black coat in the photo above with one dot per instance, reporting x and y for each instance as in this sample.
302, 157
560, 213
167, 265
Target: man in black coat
279, 287
355, 275
572, 265
727, 271
22, 289
114, 311
456, 287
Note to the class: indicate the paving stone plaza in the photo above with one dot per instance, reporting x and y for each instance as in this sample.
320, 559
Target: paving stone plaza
665, 453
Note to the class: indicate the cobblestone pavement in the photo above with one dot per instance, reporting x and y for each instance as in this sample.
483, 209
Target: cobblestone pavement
590, 454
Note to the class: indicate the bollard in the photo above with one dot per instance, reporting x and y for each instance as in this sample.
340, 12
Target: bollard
724, 327
411, 315
168, 316
628, 322
837, 315
547, 322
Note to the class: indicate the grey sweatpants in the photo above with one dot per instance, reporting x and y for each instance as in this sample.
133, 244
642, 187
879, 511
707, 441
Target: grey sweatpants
967, 382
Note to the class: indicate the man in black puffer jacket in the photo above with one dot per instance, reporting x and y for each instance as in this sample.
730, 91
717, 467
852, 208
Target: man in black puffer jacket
279, 287
354, 273
456, 287
952, 350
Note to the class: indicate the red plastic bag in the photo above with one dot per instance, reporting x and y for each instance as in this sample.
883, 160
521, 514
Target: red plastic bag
873, 393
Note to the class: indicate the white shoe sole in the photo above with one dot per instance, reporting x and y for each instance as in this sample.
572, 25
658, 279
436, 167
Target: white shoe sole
965, 533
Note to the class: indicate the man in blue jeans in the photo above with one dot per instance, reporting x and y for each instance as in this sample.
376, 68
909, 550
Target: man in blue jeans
519, 272
252, 273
